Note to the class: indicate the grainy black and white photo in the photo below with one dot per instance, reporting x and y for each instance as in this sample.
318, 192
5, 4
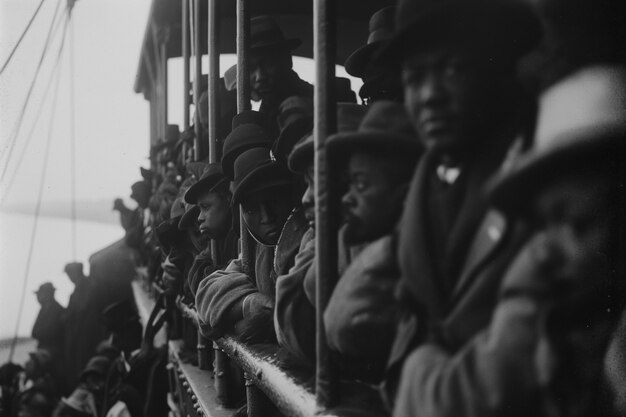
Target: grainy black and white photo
307, 208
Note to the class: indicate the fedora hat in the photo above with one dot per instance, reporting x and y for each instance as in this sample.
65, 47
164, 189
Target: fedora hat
581, 124
265, 33
212, 178
295, 119
505, 29
380, 31
248, 132
255, 170
349, 115
45, 288
385, 128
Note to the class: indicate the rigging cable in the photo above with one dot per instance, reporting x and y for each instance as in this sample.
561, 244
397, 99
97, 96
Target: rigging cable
20, 119
18, 165
30, 22
37, 206
72, 131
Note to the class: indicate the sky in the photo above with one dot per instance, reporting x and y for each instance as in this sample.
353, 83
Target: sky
111, 120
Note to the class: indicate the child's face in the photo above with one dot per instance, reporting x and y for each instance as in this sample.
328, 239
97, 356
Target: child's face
573, 214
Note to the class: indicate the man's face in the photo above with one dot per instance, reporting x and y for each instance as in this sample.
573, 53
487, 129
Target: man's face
267, 68
373, 202
308, 199
448, 96
265, 214
215, 215
572, 215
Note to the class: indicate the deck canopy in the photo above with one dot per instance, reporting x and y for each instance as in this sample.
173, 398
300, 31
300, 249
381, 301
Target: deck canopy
295, 17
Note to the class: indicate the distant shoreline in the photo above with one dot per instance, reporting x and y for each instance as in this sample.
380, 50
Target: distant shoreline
6, 343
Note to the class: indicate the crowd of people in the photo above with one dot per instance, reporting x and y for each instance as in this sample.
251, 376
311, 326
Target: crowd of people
481, 250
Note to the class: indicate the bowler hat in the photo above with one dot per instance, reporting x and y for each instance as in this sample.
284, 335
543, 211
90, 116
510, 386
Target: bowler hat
349, 115
385, 128
256, 170
248, 132
503, 28
98, 365
295, 119
380, 31
46, 288
581, 123
211, 178
265, 33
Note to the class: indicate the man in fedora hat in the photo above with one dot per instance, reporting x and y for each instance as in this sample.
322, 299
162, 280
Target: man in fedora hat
458, 62
272, 78
294, 320
48, 329
379, 160
230, 300
543, 349
381, 81
213, 197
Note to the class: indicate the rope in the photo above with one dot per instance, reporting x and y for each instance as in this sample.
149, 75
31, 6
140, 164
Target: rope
18, 165
30, 22
37, 207
72, 134
20, 119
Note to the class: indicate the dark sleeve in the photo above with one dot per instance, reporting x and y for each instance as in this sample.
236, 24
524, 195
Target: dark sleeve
363, 304
294, 316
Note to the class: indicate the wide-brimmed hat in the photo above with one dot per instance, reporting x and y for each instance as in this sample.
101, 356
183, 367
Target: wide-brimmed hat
255, 170
505, 29
211, 178
385, 128
349, 115
98, 365
265, 33
581, 123
45, 288
380, 31
295, 119
248, 132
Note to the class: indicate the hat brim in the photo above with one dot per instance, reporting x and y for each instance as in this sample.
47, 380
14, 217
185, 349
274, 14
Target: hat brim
205, 185
261, 178
341, 145
301, 157
290, 135
189, 219
361, 60
290, 44
511, 191
511, 30
228, 159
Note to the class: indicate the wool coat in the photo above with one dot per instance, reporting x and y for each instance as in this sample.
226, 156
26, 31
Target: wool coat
448, 286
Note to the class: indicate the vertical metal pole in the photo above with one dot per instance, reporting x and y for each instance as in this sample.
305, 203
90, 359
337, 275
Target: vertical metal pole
186, 55
164, 78
197, 77
204, 352
326, 215
243, 104
213, 43
243, 41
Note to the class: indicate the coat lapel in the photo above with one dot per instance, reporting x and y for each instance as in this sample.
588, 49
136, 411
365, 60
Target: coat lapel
415, 253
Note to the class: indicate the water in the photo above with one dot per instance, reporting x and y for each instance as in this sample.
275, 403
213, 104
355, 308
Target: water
52, 250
